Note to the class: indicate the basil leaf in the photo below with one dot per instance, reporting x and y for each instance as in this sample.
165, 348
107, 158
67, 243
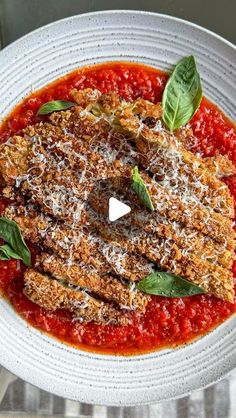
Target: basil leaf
182, 95
140, 189
167, 284
4, 253
10, 232
7, 253
54, 106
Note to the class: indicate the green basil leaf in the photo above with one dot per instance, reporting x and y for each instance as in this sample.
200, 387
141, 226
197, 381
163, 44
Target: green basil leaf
140, 189
7, 253
182, 95
167, 284
10, 232
4, 253
54, 106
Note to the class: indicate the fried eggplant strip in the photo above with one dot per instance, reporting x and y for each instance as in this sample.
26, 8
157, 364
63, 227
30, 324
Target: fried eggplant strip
167, 204
85, 276
74, 244
175, 167
52, 295
192, 241
212, 278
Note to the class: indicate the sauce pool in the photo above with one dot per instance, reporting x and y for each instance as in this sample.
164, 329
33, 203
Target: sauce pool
168, 322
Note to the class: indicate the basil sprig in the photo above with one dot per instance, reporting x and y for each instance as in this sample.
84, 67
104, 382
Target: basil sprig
7, 253
54, 106
167, 284
140, 189
182, 95
15, 246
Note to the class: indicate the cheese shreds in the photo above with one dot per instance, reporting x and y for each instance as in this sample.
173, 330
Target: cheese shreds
193, 183
59, 176
212, 278
174, 166
87, 277
192, 241
166, 203
210, 223
75, 244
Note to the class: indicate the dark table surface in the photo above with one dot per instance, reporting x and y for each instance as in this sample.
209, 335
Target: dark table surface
18, 398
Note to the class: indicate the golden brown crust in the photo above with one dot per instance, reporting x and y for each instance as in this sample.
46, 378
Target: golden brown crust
52, 295
85, 98
197, 216
190, 233
171, 205
186, 237
72, 243
212, 278
14, 159
220, 165
158, 148
208, 189
85, 276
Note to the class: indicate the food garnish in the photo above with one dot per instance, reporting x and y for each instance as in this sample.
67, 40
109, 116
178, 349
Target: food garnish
178, 240
140, 188
16, 246
167, 284
182, 94
54, 106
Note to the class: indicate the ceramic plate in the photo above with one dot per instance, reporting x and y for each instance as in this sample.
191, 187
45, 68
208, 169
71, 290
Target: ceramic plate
32, 62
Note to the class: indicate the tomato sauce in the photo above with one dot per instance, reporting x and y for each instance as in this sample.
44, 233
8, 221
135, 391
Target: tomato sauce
168, 322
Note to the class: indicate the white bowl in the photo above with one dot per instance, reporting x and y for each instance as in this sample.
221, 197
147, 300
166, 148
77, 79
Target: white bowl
32, 62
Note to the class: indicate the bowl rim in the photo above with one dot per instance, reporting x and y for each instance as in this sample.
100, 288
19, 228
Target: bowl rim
118, 11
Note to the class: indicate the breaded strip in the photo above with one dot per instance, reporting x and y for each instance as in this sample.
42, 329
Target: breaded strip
170, 205
162, 153
192, 241
109, 102
74, 244
212, 278
182, 173
86, 97
52, 295
14, 159
187, 238
196, 216
82, 123
80, 153
85, 276
129, 116
57, 194
172, 208
219, 165
167, 204
145, 109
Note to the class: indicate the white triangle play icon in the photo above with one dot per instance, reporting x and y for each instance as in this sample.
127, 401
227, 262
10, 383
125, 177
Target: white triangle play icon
117, 209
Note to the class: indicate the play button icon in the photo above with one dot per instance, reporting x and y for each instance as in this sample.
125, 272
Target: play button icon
117, 209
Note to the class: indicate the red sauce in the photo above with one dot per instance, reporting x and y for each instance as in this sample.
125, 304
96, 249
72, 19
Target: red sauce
167, 322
